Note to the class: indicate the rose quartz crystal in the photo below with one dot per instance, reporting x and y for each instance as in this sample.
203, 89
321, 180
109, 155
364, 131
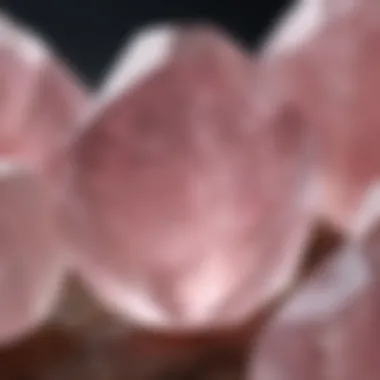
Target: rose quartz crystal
190, 192
324, 56
40, 103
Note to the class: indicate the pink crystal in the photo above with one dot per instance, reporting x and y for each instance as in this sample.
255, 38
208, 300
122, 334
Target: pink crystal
189, 198
39, 106
326, 58
328, 329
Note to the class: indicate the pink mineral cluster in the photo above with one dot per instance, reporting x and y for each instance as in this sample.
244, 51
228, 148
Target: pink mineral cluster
185, 192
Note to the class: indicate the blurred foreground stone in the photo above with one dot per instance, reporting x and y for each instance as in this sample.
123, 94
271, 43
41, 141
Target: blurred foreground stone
40, 106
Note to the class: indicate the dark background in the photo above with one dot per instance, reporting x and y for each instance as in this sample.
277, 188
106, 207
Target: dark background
89, 32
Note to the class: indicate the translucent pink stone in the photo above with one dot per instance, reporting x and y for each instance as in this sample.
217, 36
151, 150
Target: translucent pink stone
329, 329
326, 56
190, 194
40, 104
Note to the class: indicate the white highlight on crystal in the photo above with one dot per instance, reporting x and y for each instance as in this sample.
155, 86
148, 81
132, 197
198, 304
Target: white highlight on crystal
369, 212
22, 41
10, 168
149, 50
299, 24
205, 289
345, 277
129, 300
